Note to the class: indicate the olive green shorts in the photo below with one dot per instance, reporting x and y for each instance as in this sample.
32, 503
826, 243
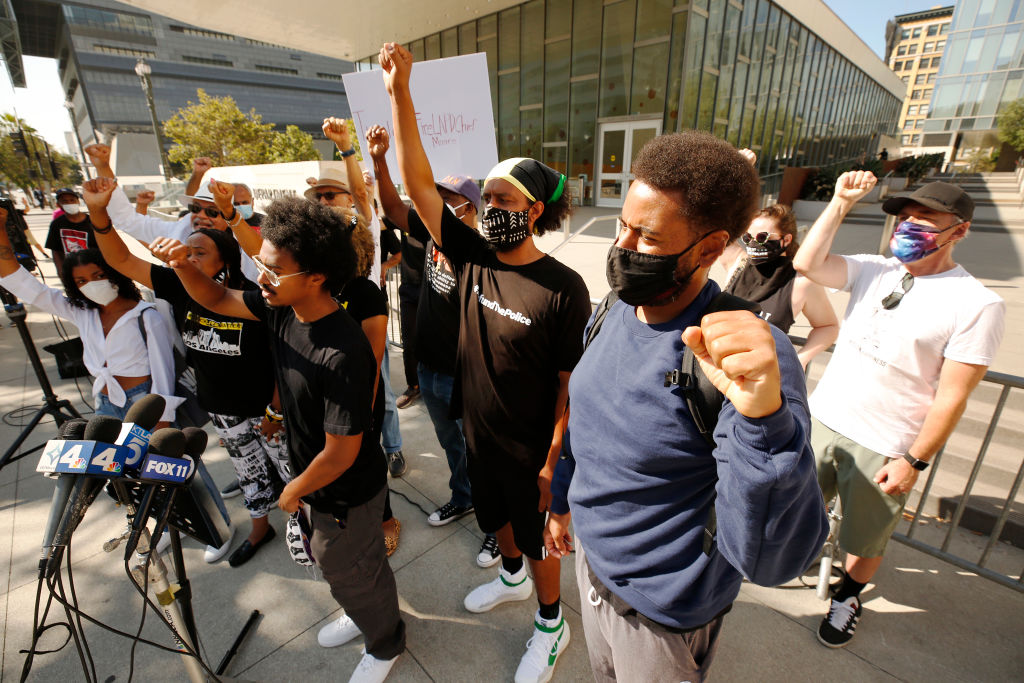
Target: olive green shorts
869, 514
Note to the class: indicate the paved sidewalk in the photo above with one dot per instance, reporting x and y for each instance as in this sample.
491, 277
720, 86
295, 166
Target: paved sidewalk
925, 620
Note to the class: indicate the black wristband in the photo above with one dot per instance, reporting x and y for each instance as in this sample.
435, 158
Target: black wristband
102, 231
920, 465
348, 152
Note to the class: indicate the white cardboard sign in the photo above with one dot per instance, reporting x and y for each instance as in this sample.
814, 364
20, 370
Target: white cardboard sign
453, 112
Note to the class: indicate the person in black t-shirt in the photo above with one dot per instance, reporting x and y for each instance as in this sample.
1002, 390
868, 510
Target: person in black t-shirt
325, 376
522, 318
437, 326
71, 231
231, 358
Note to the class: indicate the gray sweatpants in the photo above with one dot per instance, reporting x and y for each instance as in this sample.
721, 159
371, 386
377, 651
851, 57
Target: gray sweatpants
355, 564
626, 649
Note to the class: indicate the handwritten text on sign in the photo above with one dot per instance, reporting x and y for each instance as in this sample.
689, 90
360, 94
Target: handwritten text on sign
453, 113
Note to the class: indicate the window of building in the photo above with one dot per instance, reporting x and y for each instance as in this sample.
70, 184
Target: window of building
912, 110
901, 50
192, 59
908, 124
201, 33
123, 51
328, 77
918, 123
923, 109
914, 139
943, 29
906, 79
904, 34
897, 66
933, 30
108, 21
940, 45
916, 33
906, 139
916, 95
260, 43
928, 47
912, 49
935, 62
276, 69
927, 94
919, 80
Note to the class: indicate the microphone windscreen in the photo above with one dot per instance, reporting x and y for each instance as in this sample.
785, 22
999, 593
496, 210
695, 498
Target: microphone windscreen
73, 429
147, 411
102, 428
195, 441
167, 441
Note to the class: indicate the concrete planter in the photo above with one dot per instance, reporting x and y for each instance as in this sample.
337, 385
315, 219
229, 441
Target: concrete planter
808, 211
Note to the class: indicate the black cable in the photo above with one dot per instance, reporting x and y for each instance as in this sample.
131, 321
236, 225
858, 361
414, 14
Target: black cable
57, 581
78, 619
142, 620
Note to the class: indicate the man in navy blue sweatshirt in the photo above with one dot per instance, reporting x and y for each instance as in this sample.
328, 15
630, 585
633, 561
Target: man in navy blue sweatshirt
636, 473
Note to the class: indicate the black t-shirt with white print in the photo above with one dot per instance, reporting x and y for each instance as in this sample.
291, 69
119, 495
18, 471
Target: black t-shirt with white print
66, 236
325, 377
362, 299
231, 356
519, 327
437, 315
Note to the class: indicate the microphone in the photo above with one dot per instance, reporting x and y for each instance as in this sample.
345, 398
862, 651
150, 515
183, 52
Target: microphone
195, 441
73, 429
163, 465
139, 421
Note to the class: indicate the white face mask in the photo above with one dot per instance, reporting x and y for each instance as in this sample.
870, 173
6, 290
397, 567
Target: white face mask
100, 292
70, 209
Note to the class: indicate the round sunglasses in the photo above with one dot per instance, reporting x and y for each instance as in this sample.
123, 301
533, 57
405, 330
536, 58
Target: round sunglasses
760, 238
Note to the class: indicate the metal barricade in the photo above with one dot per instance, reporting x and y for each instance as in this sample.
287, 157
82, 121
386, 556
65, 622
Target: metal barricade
391, 282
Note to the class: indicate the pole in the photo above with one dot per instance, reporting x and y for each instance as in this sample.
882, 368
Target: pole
70, 106
143, 70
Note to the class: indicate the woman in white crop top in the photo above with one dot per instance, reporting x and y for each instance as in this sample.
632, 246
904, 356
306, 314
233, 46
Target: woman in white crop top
105, 306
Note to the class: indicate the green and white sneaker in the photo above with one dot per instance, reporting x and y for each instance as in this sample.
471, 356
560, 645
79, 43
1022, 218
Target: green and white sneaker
550, 638
506, 588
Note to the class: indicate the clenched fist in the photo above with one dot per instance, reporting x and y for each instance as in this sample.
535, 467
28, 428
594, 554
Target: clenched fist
396, 65
96, 192
170, 251
201, 165
98, 154
852, 186
378, 141
336, 131
145, 197
223, 196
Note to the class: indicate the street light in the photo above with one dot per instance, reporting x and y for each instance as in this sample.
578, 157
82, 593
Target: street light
143, 70
70, 106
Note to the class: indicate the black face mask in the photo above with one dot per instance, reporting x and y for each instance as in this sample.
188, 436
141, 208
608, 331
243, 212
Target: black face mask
759, 252
646, 279
505, 230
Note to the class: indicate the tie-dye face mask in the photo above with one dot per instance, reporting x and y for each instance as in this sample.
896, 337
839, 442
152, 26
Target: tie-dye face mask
913, 241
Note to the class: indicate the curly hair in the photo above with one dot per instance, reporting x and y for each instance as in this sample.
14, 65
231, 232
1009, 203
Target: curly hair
554, 213
230, 256
785, 222
362, 239
717, 189
92, 257
315, 236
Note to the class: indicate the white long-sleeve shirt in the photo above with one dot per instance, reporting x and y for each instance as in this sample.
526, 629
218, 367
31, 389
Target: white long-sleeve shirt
120, 352
148, 228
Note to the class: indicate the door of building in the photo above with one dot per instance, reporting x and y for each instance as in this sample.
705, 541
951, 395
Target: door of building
618, 145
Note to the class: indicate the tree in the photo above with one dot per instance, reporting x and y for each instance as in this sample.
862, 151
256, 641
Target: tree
1011, 124
293, 145
30, 166
215, 127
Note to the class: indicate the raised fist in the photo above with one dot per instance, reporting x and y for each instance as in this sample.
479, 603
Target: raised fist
145, 197
750, 156
223, 196
170, 251
96, 192
396, 65
853, 185
336, 131
378, 141
201, 165
98, 154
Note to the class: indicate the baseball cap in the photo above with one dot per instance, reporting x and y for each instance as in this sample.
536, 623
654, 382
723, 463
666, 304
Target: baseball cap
938, 195
464, 185
65, 190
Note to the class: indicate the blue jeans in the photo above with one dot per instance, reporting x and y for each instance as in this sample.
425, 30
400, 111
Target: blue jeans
436, 390
391, 435
105, 407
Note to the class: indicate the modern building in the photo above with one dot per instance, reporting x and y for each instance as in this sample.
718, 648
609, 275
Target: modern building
583, 84
98, 42
913, 50
982, 72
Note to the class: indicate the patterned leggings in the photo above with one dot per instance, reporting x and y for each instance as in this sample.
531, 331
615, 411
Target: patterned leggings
252, 456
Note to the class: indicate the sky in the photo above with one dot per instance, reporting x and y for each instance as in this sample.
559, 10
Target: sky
42, 103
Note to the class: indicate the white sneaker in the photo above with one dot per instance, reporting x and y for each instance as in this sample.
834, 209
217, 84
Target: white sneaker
371, 669
506, 588
338, 632
213, 553
542, 650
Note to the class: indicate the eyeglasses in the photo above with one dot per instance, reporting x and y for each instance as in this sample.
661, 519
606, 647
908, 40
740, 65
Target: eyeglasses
760, 238
273, 278
210, 212
329, 196
893, 300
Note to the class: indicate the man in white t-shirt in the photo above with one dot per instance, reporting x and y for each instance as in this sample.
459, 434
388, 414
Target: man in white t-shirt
918, 334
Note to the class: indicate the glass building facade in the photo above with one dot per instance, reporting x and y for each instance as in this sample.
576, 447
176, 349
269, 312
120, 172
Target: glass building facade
982, 71
582, 84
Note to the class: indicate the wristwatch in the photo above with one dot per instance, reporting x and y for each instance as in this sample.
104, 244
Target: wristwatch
914, 462
348, 152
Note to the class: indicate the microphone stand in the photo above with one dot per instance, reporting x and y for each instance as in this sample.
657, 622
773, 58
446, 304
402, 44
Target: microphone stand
51, 404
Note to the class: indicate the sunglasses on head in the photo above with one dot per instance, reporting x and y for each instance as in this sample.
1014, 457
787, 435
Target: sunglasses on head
760, 238
329, 195
209, 211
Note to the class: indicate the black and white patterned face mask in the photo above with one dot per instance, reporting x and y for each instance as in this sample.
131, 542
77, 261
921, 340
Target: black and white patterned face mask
505, 230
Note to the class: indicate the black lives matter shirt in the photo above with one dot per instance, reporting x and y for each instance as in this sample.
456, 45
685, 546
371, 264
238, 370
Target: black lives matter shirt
519, 327
362, 299
231, 356
66, 237
325, 376
437, 314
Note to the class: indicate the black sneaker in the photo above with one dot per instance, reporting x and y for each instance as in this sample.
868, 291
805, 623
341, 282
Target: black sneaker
489, 554
396, 464
838, 626
448, 513
231, 490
